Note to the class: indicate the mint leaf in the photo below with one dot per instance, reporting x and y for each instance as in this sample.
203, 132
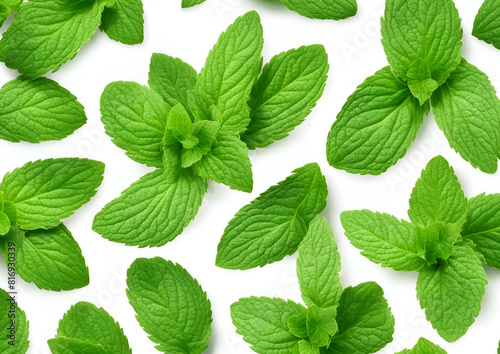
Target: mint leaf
227, 163
229, 73
189, 3
46, 191
273, 225
263, 323
437, 196
205, 133
63, 345
297, 325
483, 227
321, 325
179, 124
38, 110
451, 292
152, 211
424, 346
467, 110
304, 347
323, 9
135, 117
171, 78
21, 326
124, 21
51, 259
487, 23
318, 266
84, 323
384, 239
364, 320
438, 240
422, 41
171, 306
46, 34
285, 93
376, 125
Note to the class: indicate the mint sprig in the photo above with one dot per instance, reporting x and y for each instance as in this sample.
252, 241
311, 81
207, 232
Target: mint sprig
16, 343
487, 23
424, 346
33, 201
356, 319
53, 31
194, 128
446, 241
423, 43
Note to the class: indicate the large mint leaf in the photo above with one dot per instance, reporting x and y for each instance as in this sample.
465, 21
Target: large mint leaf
487, 23
124, 21
273, 225
21, 326
152, 211
376, 125
171, 306
323, 9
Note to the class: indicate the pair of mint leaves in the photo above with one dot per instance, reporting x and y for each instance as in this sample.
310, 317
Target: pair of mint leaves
446, 242
336, 320
487, 23
423, 43
194, 128
33, 200
53, 31
318, 9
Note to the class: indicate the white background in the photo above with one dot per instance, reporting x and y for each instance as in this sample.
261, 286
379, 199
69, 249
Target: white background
355, 52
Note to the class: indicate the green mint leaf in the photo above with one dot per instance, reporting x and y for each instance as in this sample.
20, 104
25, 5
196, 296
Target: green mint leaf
483, 227
4, 224
204, 132
124, 21
51, 259
152, 211
424, 346
180, 125
323, 9
376, 125
384, 239
487, 23
304, 347
318, 266
297, 325
171, 78
467, 110
321, 325
263, 323
63, 345
46, 191
172, 162
86, 323
227, 163
229, 73
21, 326
364, 319
50, 31
189, 3
437, 196
135, 117
285, 93
451, 292
38, 110
273, 225
170, 304
438, 240
423, 42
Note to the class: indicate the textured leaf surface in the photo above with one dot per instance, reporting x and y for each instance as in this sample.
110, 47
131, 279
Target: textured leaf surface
483, 227
88, 323
63, 345
263, 323
451, 292
229, 73
323, 9
487, 23
124, 21
365, 321
189, 3
273, 225
423, 42
38, 110
152, 211
438, 196
318, 266
285, 93
46, 191
47, 33
384, 239
467, 110
21, 327
376, 126
171, 306
135, 117
424, 346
